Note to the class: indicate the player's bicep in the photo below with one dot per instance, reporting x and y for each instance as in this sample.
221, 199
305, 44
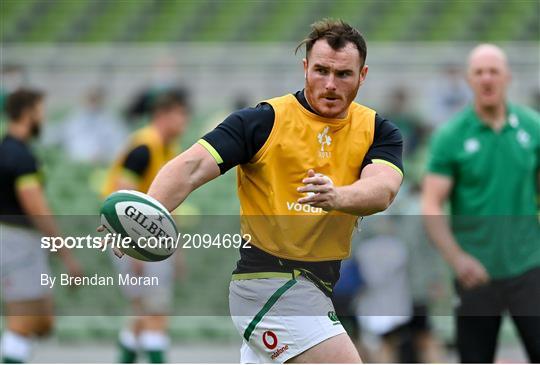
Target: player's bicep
388, 175
227, 143
202, 164
183, 174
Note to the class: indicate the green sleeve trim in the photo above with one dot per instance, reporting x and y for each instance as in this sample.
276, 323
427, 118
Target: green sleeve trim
211, 149
384, 162
130, 176
267, 306
27, 180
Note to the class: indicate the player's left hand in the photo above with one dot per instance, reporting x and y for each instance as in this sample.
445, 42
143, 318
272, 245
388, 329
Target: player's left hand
321, 192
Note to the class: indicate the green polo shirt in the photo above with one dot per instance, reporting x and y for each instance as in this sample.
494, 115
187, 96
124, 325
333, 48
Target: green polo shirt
493, 201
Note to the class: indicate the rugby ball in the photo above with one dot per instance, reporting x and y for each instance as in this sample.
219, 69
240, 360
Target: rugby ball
148, 224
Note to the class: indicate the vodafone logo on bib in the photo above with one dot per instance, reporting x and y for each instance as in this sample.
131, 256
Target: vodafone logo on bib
270, 340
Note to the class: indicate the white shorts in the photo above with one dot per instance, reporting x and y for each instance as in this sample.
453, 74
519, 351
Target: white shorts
280, 318
154, 299
22, 262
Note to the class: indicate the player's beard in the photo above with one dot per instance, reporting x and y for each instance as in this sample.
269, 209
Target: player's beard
35, 129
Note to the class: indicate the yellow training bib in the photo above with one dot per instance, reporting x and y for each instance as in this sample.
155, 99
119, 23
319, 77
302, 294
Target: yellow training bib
299, 141
160, 154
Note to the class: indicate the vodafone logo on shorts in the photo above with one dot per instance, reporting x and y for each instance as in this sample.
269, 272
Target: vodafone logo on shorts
270, 340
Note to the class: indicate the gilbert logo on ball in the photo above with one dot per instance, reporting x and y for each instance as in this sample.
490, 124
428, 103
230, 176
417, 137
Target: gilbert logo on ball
144, 220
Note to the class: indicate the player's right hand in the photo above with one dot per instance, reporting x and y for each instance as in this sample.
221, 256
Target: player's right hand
469, 271
116, 251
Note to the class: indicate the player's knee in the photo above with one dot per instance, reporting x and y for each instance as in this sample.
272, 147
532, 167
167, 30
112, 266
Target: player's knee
30, 326
44, 326
154, 322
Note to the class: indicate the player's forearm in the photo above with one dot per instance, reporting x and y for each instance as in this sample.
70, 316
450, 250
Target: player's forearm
46, 224
438, 230
366, 196
36, 208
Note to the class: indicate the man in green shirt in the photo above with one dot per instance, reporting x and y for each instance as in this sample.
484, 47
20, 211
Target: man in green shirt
486, 163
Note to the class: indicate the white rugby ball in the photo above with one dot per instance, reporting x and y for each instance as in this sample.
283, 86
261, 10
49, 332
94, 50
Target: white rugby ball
145, 220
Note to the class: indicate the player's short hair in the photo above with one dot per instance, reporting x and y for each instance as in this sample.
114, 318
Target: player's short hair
169, 100
20, 101
338, 34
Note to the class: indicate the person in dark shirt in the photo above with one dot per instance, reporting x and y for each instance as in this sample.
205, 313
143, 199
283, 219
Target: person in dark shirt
24, 215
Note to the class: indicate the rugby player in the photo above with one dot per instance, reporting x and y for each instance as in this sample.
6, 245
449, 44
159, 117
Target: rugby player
149, 149
309, 164
486, 163
24, 216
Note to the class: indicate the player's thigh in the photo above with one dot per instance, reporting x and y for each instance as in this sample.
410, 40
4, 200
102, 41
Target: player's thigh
32, 317
337, 349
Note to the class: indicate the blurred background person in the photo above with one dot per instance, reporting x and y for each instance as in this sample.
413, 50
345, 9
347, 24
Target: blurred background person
447, 95
426, 276
401, 282
149, 149
399, 110
344, 296
486, 163
13, 78
535, 98
92, 134
24, 217
238, 101
384, 304
163, 80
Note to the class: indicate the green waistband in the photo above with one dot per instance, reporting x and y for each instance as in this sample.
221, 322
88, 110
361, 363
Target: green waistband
324, 286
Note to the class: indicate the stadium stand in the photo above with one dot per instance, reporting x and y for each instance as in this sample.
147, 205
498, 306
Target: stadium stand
261, 21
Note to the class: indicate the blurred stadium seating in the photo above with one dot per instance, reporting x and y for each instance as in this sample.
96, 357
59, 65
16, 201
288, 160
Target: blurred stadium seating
55, 21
